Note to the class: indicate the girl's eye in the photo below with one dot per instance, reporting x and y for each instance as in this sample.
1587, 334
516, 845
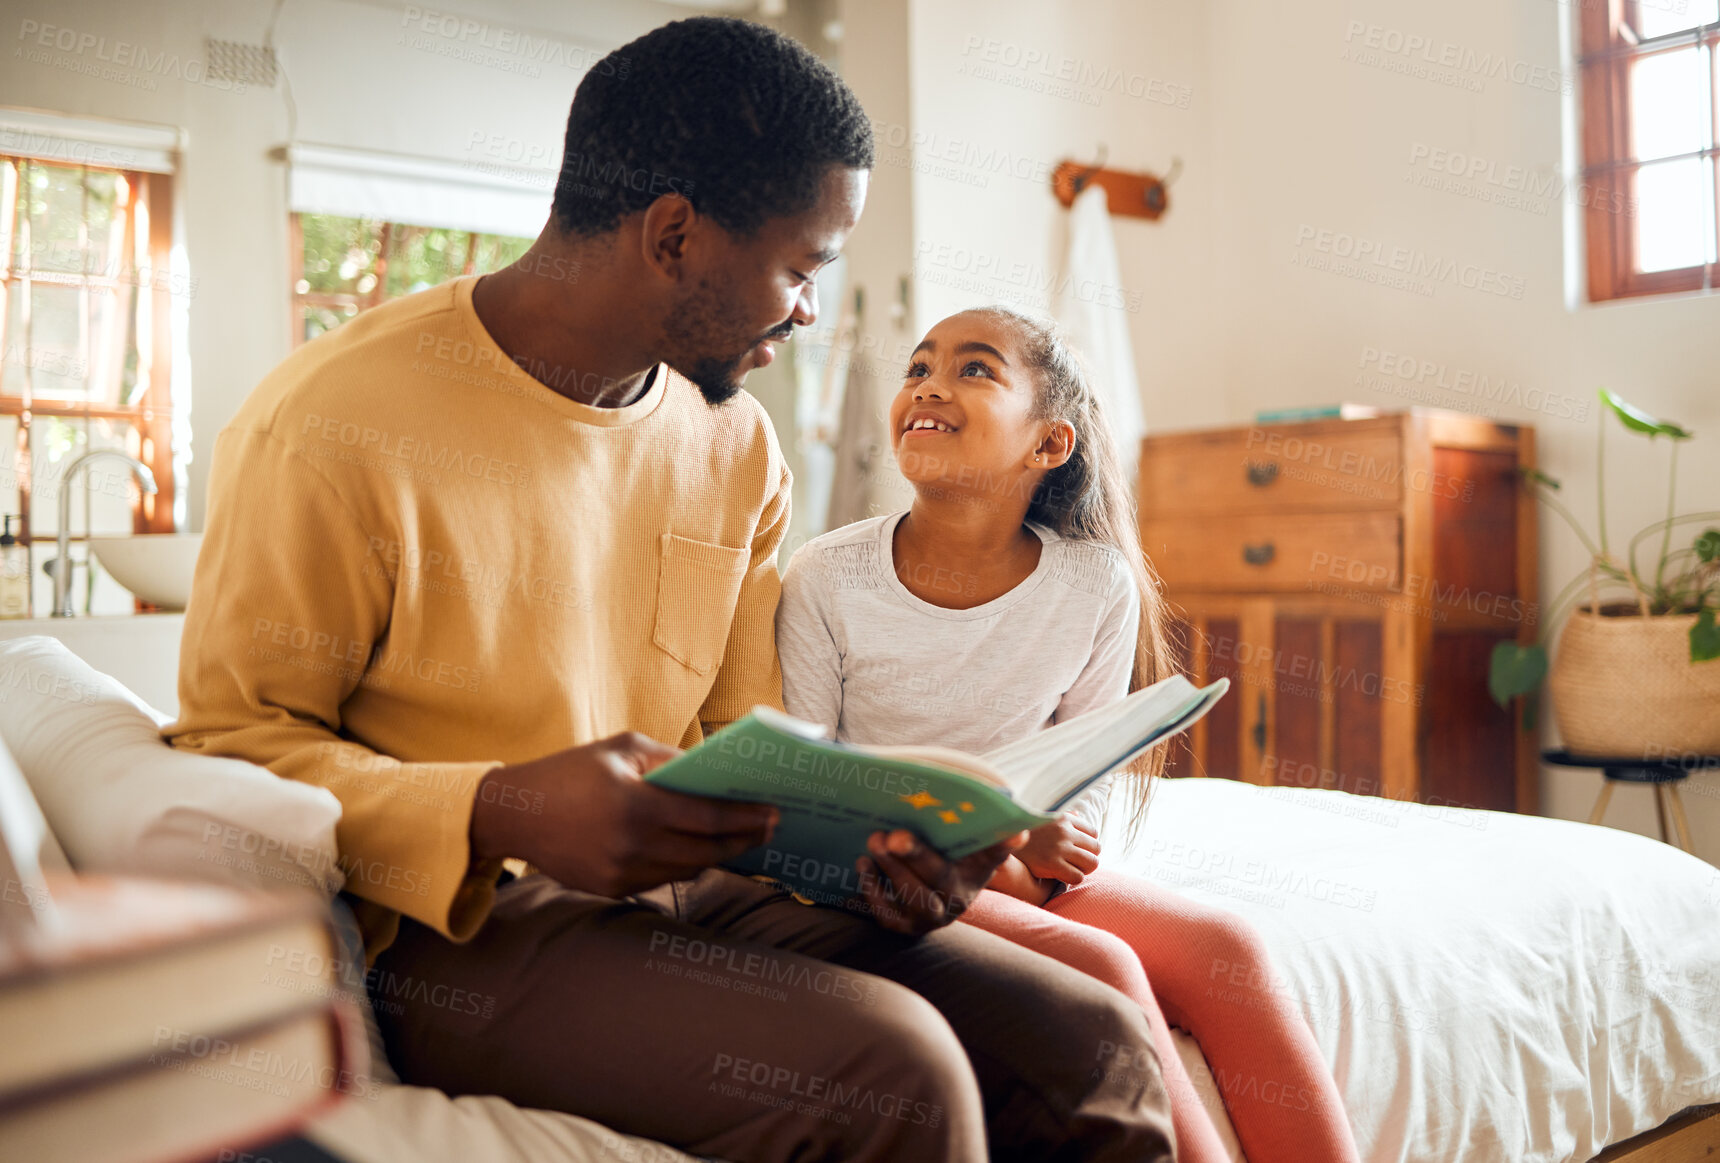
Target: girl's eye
984, 369
916, 370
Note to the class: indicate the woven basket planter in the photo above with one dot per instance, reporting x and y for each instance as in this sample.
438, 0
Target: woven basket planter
1624, 685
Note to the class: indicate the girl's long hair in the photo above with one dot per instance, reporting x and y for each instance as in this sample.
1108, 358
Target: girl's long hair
1087, 498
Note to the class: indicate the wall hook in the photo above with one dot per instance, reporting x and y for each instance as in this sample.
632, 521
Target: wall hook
1081, 178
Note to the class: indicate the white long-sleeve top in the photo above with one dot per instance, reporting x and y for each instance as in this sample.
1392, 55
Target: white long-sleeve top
862, 654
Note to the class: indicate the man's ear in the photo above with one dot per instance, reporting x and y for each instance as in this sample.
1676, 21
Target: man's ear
1057, 446
666, 235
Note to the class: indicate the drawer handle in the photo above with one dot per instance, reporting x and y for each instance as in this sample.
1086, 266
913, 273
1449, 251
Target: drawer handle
1261, 554
1262, 473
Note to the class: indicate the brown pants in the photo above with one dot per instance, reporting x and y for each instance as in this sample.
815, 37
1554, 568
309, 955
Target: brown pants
723, 1017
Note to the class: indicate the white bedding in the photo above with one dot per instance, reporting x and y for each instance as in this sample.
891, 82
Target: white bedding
1487, 987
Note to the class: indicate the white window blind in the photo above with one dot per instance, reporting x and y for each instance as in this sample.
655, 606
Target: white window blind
420, 191
87, 141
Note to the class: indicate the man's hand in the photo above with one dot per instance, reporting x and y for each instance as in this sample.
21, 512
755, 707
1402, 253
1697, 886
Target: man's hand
911, 889
602, 828
1065, 850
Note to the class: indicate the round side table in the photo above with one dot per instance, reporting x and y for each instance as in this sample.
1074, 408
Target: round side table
1663, 776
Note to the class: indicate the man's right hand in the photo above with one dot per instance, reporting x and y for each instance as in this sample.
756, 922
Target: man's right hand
586, 818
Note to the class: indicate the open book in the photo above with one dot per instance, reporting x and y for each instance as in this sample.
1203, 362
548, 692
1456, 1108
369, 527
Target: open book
834, 795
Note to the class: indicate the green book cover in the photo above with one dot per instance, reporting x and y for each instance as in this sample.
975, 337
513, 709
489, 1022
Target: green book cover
833, 796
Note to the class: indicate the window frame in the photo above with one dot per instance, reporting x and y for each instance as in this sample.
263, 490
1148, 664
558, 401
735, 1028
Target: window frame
151, 418
1608, 48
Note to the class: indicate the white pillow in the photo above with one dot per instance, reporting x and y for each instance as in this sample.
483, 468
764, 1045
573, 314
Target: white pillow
121, 800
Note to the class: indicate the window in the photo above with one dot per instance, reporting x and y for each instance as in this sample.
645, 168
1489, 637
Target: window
86, 339
342, 266
1650, 91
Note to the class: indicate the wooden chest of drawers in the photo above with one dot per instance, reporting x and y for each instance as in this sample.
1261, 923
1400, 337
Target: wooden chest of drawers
1351, 577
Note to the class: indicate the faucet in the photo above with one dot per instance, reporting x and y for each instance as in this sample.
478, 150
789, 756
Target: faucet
62, 562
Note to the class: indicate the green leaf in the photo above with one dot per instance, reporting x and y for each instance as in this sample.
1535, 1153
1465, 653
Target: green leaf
1536, 476
1705, 637
1708, 545
1637, 420
1515, 670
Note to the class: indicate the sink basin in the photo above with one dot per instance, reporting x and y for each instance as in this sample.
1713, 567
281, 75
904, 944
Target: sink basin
156, 567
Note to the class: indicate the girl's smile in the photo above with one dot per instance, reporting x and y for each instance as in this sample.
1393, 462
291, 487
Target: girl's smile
925, 421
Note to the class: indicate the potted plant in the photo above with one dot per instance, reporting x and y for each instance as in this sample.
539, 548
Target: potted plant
1635, 674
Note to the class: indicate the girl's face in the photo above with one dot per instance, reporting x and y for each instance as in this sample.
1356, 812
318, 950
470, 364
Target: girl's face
963, 420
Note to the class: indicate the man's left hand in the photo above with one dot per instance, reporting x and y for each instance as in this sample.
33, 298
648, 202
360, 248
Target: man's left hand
912, 889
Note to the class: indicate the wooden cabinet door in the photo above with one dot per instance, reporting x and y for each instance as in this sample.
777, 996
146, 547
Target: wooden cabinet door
1312, 695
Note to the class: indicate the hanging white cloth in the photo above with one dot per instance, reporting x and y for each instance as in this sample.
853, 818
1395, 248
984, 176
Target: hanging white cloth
1085, 304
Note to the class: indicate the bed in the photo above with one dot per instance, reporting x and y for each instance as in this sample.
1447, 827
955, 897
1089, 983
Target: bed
1488, 988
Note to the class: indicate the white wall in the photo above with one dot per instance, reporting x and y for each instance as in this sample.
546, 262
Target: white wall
1001, 94
1285, 138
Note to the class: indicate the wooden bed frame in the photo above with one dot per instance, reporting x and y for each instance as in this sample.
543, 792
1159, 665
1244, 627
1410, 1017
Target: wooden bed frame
1684, 1138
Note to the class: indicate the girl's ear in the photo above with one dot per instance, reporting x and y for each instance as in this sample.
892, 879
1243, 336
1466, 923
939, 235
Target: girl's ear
1056, 447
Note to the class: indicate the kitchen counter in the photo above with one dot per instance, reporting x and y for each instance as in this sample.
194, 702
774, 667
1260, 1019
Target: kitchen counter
140, 650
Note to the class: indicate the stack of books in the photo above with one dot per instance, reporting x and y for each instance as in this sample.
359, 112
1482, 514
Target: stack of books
143, 1021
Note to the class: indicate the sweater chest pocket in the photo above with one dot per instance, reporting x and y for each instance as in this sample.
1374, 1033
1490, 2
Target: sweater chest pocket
698, 583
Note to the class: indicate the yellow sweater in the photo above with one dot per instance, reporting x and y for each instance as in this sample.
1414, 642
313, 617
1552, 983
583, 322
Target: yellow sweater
421, 563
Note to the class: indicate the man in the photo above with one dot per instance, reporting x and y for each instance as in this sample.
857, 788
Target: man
476, 558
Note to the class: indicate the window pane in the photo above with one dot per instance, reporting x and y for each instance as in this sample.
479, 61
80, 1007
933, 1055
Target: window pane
1675, 215
55, 206
54, 443
11, 212
1659, 17
424, 256
112, 351
319, 319
340, 254
340, 259
1670, 99
55, 353
15, 359
105, 227
11, 472
496, 251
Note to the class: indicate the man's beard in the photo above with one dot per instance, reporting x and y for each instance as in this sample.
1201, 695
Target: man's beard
716, 379
700, 322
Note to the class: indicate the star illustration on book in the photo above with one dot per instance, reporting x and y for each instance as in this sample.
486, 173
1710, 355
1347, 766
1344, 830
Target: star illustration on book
950, 817
966, 807
922, 799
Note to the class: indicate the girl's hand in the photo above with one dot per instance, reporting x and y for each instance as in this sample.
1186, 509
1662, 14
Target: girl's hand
1013, 879
1065, 850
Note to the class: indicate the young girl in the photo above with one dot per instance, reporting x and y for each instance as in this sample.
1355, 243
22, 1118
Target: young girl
1011, 596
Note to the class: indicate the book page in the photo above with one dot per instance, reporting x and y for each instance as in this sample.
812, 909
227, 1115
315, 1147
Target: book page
946, 757
1051, 767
